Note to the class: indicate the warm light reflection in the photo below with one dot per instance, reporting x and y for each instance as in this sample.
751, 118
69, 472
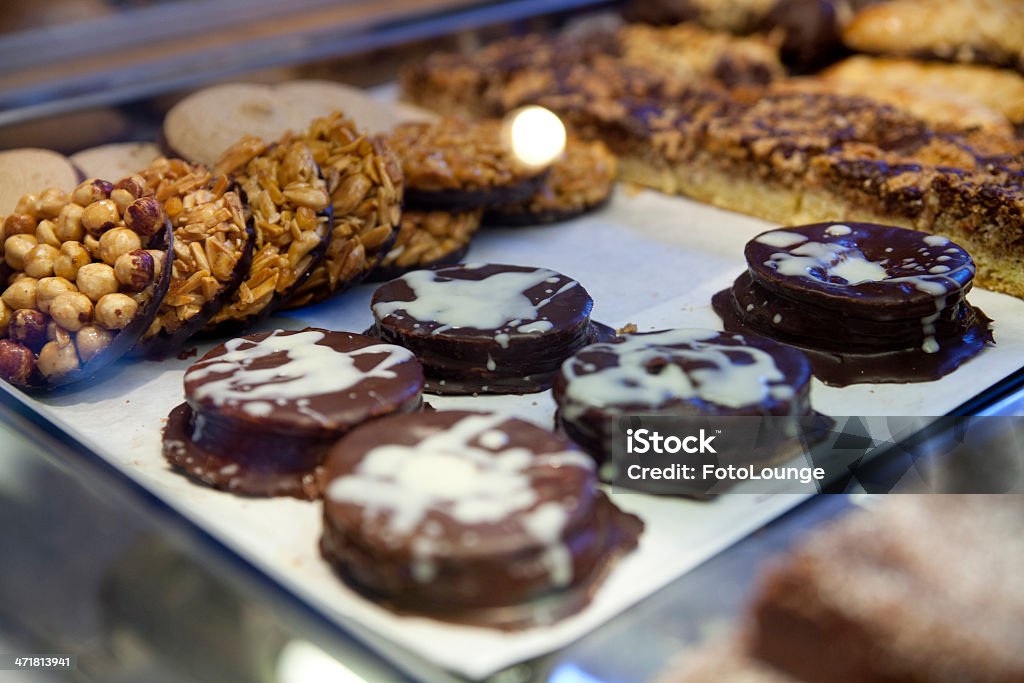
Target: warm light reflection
302, 662
537, 135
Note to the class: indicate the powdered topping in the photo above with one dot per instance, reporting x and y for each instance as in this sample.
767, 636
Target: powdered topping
467, 473
307, 369
495, 302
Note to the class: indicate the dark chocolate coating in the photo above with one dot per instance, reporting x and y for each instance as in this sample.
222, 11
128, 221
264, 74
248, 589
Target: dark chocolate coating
881, 300
276, 453
830, 328
589, 424
456, 361
895, 366
870, 331
519, 215
490, 573
468, 200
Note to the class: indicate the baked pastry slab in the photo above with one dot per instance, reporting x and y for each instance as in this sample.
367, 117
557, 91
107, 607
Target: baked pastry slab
972, 31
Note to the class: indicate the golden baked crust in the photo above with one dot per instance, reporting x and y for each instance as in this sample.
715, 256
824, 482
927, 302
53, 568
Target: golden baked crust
977, 31
961, 86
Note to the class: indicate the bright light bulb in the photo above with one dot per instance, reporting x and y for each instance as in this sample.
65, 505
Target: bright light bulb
537, 135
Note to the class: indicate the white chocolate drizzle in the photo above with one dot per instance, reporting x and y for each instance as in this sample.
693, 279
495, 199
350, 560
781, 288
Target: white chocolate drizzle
834, 259
632, 382
493, 303
780, 238
468, 474
309, 369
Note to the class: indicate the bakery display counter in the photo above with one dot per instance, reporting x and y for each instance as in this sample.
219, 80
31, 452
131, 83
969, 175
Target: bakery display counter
343, 393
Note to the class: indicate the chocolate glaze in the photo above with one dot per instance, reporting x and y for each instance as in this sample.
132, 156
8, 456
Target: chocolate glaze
505, 360
518, 215
895, 322
841, 368
271, 445
892, 298
467, 200
829, 328
588, 419
497, 572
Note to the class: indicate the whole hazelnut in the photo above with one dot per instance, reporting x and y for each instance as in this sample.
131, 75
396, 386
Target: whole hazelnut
92, 190
51, 201
19, 224
117, 242
95, 280
116, 311
46, 233
16, 362
15, 249
21, 293
40, 259
28, 204
121, 198
135, 270
71, 310
100, 216
134, 185
28, 327
90, 340
56, 360
145, 216
72, 257
69, 223
50, 288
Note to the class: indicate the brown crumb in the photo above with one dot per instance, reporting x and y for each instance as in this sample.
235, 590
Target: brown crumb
628, 328
188, 353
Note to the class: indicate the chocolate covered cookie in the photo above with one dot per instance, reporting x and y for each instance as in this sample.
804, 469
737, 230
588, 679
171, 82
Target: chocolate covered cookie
457, 165
580, 181
290, 207
685, 373
260, 411
426, 239
83, 276
469, 517
865, 302
486, 328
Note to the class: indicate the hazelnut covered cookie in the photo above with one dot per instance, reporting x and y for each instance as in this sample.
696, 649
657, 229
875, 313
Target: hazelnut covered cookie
84, 275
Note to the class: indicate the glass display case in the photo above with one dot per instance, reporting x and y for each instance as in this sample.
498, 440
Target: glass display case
97, 567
